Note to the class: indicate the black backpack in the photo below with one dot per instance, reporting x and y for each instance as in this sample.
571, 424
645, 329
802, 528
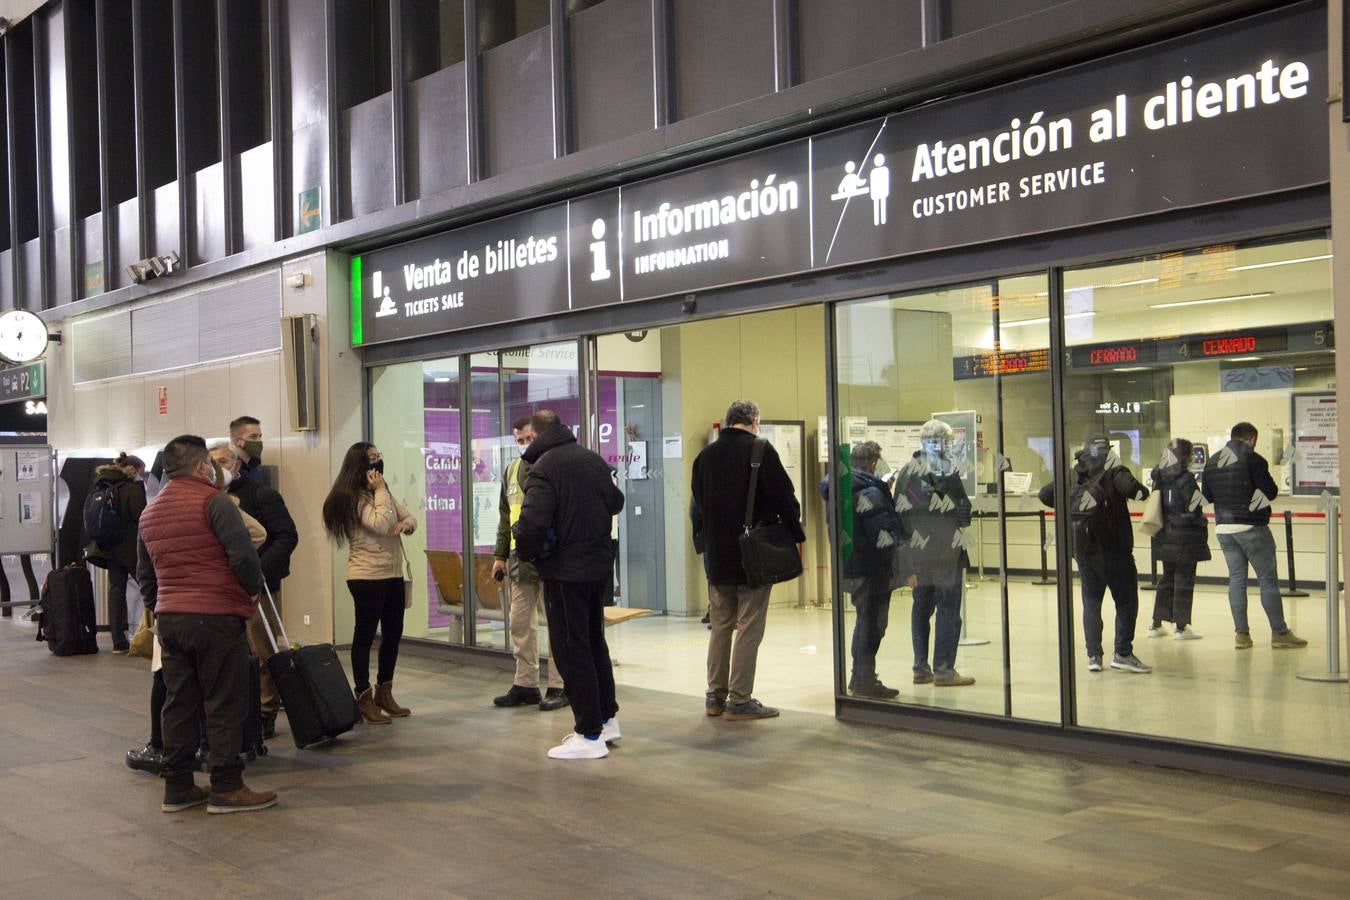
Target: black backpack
102, 521
1089, 513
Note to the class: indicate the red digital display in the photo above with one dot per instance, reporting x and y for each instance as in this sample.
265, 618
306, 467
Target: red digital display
1228, 345
1110, 356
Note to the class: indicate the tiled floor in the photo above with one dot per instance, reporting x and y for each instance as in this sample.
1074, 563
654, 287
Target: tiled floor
1201, 690
460, 801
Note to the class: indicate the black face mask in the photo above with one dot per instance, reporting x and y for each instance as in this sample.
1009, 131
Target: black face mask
378, 466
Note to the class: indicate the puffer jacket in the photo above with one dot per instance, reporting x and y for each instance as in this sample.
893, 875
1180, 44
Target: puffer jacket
130, 505
933, 509
567, 517
1185, 532
1237, 481
1111, 486
374, 551
875, 527
194, 554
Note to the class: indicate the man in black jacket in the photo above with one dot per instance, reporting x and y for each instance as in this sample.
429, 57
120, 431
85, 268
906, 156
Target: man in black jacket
718, 494
565, 524
1238, 483
1103, 548
264, 504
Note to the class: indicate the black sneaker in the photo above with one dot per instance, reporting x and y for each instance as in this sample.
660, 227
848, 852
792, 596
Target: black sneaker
269, 727
518, 696
714, 705
554, 698
750, 709
875, 691
146, 759
184, 798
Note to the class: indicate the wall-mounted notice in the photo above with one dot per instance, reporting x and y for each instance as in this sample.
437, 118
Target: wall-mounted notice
28, 464
30, 508
1316, 448
899, 441
787, 438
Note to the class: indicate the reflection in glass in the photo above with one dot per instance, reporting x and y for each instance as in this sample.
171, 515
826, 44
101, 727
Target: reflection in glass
1169, 358
953, 386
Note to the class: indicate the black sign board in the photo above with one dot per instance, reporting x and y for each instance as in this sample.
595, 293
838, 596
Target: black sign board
1226, 113
1229, 112
506, 269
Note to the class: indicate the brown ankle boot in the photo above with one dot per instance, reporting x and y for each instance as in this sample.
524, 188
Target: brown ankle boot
384, 699
365, 703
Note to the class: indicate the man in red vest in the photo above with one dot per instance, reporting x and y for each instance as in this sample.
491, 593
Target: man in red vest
198, 570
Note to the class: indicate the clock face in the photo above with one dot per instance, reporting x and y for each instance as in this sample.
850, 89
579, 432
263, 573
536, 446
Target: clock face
23, 336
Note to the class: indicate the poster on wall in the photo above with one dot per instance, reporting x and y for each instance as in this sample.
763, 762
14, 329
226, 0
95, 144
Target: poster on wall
30, 508
965, 443
899, 441
787, 438
1316, 465
28, 464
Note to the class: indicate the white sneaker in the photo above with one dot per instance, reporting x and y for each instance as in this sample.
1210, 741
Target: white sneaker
609, 732
1094, 663
576, 746
1158, 632
1185, 634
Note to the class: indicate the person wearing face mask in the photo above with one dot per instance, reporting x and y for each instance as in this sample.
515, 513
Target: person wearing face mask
246, 436
264, 504
199, 572
360, 512
121, 482
1103, 548
934, 512
527, 598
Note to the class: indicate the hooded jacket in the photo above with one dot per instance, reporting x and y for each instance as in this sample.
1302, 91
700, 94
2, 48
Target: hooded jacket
566, 519
933, 509
130, 505
1185, 532
265, 505
718, 490
1238, 483
876, 527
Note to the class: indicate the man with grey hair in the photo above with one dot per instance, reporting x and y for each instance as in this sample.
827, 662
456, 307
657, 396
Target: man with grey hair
264, 504
719, 490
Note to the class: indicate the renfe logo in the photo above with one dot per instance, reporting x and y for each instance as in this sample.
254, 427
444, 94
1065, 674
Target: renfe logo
381, 292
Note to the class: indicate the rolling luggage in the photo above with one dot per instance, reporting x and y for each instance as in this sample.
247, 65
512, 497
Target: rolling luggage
313, 685
66, 621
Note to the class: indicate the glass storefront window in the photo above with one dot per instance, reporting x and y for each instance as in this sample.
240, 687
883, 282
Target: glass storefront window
947, 598
1165, 355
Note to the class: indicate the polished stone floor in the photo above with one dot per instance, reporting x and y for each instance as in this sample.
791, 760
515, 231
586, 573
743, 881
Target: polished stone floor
460, 801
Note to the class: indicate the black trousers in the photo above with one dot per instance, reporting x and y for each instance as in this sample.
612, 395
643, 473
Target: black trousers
576, 637
379, 604
117, 603
1176, 593
1097, 574
205, 666
157, 696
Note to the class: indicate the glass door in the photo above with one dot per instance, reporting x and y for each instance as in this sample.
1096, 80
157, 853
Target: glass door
943, 440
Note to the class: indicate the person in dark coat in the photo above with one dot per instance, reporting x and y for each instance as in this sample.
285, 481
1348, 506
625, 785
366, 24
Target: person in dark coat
1103, 548
1182, 542
124, 475
1237, 481
266, 505
719, 489
868, 569
934, 512
564, 529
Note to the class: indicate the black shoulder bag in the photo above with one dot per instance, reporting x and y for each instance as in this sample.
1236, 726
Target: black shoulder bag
768, 552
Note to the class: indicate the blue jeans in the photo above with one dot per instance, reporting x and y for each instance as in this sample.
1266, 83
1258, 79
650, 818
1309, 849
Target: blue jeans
1256, 547
945, 600
1117, 572
873, 603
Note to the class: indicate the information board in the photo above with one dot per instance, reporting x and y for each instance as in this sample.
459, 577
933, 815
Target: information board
1316, 468
26, 521
787, 438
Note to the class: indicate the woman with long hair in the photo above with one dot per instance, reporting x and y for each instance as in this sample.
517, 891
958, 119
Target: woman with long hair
361, 513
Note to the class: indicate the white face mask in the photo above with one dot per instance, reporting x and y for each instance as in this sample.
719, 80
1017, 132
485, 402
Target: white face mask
226, 476
932, 447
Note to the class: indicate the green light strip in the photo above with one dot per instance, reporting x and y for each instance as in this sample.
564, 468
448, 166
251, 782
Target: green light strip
356, 301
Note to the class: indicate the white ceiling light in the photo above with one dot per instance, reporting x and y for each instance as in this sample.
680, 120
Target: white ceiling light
1045, 319
1252, 296
1245, 359
1280, 262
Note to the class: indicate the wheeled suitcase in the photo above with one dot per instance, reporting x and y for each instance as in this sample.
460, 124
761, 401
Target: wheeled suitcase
313, 685
66, 620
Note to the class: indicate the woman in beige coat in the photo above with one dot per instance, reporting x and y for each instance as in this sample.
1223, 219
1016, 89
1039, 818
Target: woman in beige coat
361, 513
